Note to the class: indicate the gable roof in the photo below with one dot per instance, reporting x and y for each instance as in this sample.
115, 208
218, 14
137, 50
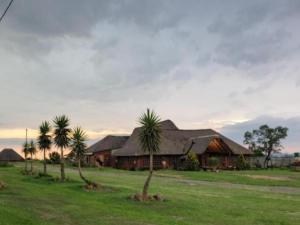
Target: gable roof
108, 143
201, 143
9, 154
174, 141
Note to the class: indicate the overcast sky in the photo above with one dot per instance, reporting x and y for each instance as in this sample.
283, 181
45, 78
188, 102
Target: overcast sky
226, 65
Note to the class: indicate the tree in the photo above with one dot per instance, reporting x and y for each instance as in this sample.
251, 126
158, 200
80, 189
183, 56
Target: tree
150, 138
54, 157
241, 163
78, 148
32, 151
62, 139
26, 152
44, 141
266, 140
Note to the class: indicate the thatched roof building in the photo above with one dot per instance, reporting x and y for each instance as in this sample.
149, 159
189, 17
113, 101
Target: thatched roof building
108, 143
10, 155
99, 154
176, 141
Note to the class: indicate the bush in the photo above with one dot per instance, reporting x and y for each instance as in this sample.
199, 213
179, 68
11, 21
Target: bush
188, 162
54, 157
192, 162
241, 163
213, 162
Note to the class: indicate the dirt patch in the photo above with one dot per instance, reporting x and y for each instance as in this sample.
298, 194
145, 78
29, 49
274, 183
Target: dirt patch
91, 186
2, 186
168, 175
264, 177
139, 197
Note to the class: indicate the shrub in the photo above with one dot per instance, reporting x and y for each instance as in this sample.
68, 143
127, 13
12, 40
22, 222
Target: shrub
213, 162
192, 162
189, 162
54, 157
241, 163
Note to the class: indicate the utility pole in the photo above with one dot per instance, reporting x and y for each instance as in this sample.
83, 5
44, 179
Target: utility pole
26, 137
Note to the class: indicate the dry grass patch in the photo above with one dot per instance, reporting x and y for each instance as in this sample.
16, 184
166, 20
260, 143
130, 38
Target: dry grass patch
265, 177
168, 175
2, 186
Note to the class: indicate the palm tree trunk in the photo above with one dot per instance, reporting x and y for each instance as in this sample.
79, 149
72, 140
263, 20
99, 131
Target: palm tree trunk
80, 173
45, 166
146, 185
26, 167
62, 165
31, 167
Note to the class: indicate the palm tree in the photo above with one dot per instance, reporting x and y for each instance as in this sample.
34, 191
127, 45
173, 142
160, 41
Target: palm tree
32, 151
62, 139
150, 137
26, 152
78, 146
44, 140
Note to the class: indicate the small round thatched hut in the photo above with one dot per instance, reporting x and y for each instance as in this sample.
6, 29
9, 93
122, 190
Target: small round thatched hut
10, 155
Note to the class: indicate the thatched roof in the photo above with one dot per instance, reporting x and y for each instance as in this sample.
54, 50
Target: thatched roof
9, 154
109, 142
175, 141
200, 144
168, 125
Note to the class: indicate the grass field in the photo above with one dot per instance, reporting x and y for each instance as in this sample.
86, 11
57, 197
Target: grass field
248, 198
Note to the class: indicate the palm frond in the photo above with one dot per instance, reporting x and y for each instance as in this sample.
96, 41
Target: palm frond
78, 142
150, 135
44, 139
32, 147
61, 131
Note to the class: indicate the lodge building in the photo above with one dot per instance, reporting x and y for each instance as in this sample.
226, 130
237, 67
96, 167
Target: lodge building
125, 152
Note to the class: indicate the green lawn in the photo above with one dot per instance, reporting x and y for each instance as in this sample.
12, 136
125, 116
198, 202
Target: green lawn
247, 198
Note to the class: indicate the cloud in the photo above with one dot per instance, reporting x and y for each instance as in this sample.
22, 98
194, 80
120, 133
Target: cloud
102, 63
253, 34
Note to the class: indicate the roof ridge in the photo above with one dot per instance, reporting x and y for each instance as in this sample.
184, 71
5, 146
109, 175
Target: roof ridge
205, 136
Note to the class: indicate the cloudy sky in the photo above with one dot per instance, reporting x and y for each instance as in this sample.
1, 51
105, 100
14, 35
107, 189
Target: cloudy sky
226, 65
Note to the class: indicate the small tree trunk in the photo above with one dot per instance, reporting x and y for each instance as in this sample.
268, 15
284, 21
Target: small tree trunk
146, 185
62, 165
80, 173
45, 165
267, 159
31, 167
265, 162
